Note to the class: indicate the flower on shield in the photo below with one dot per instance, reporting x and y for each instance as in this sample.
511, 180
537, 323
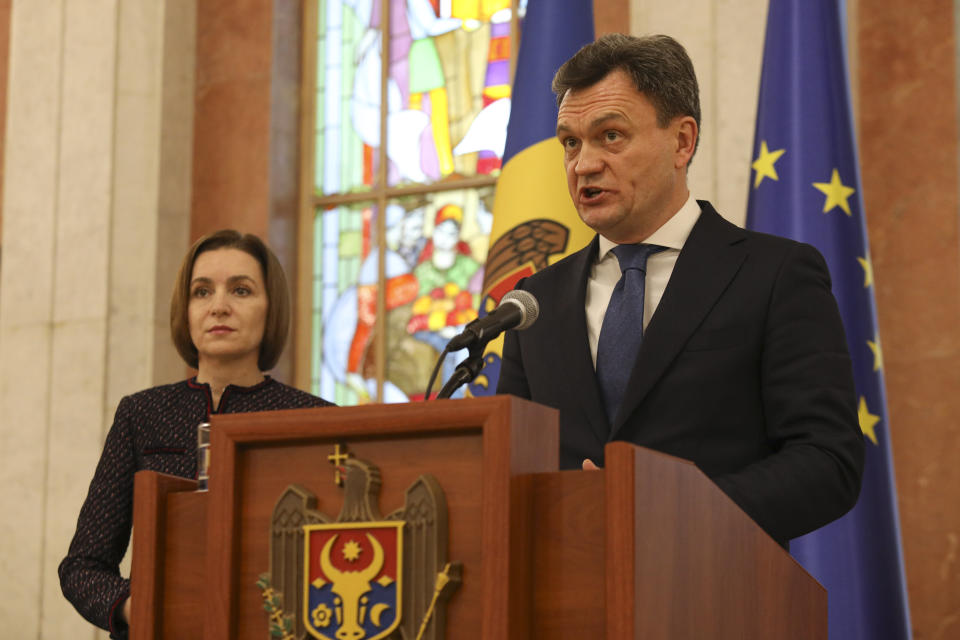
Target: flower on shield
321, 616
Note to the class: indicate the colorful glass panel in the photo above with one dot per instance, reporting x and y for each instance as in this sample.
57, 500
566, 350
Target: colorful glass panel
344, 298
449, 89
446, 110
436, 248
347, 131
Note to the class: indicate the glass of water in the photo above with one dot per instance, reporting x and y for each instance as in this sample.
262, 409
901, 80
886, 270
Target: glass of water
203, 455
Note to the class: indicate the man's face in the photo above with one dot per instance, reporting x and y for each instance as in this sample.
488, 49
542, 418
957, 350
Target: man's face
626, 175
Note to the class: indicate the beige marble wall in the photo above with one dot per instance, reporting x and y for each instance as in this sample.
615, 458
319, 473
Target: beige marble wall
96, 216
5, 6
26, 300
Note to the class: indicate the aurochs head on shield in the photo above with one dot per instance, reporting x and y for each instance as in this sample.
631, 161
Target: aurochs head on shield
352, 577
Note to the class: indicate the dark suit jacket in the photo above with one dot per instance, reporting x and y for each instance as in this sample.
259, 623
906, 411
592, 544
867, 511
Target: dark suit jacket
744, 370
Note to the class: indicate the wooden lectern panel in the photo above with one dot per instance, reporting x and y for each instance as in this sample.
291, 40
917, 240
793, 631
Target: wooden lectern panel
650, 548
472, 447
569, 598
690, 564
169, 525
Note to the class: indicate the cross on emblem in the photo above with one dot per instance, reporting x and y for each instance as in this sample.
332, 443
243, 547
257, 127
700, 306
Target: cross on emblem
337, 458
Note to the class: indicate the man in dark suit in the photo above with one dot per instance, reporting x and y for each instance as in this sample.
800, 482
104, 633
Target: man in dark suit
725, 347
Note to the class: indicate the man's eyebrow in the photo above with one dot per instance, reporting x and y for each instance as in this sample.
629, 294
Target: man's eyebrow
596, 122
606, 117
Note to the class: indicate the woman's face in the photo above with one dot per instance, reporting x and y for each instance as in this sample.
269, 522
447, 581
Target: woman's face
227, 311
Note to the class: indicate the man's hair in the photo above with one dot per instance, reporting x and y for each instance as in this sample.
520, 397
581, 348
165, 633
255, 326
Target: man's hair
659, 66
277, 324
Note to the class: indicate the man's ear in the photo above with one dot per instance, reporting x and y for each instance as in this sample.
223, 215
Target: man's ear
686, 136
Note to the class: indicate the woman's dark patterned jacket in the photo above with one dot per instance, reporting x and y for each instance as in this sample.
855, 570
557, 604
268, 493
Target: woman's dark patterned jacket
154, 429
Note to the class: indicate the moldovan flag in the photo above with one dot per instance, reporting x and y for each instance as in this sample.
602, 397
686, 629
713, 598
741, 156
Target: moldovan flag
534, 221
806, 186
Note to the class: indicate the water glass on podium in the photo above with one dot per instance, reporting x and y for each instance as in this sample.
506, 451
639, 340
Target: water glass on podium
203, 455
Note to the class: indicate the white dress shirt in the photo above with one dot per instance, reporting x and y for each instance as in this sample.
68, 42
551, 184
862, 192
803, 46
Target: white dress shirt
605, 272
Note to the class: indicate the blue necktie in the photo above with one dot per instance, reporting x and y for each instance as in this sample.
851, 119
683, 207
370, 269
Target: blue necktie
622, 329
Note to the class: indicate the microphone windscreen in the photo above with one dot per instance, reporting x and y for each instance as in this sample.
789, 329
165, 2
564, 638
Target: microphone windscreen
527, 302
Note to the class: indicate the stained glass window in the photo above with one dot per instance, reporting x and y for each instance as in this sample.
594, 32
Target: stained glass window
403, 187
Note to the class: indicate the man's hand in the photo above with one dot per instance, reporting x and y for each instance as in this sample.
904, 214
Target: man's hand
589, 466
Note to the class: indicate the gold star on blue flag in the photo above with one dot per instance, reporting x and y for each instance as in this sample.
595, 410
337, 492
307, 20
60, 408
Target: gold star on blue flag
764, 164
837, 193
877, 353
804, 99
868, 421
867, 271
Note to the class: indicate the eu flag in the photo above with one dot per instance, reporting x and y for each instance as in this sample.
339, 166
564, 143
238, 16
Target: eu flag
805, 185
534, 220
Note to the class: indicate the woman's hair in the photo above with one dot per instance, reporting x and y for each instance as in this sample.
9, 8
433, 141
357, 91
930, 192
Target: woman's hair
277, 324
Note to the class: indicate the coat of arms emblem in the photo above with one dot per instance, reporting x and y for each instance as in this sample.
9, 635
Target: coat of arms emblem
353, 580
361, 575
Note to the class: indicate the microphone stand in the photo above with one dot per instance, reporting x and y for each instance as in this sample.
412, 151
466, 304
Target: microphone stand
466, 371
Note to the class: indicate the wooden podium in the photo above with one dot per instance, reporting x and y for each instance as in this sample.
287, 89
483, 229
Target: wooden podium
646, 548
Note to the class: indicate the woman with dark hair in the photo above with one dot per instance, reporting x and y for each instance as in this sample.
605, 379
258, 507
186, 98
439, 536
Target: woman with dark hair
229, 318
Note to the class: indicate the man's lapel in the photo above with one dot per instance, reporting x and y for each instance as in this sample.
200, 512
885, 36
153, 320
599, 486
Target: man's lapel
711, 257
577, 372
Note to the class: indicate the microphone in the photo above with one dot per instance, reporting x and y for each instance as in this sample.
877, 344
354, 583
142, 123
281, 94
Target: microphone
517, 310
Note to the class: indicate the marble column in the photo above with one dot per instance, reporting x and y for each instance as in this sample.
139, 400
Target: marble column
246, 150
909, 159
96, 217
